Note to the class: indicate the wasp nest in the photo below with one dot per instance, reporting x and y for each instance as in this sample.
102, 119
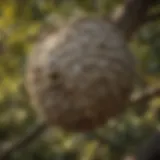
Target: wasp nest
82, 76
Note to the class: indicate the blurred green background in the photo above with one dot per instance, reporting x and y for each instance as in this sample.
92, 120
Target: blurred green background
22, 22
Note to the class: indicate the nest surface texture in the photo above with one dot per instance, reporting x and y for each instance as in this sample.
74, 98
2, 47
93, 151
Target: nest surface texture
81, 76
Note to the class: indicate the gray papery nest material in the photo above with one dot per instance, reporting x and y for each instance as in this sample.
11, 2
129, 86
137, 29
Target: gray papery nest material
81, 76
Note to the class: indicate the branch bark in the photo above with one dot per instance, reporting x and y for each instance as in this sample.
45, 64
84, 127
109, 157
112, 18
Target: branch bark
133, 16
40, 128
145, 96
27, 139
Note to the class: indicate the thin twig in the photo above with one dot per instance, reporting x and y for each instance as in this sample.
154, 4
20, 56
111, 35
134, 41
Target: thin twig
146, 95
134, 12
27, 139
40, 128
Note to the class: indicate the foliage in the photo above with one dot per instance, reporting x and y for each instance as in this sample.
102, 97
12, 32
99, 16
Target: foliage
22, 22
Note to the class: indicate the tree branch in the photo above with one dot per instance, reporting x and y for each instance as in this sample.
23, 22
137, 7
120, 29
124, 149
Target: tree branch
145, 96
40, 128
27, 139
132, 16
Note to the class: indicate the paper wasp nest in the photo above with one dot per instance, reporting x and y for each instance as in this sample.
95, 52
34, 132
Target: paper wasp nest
82, 76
